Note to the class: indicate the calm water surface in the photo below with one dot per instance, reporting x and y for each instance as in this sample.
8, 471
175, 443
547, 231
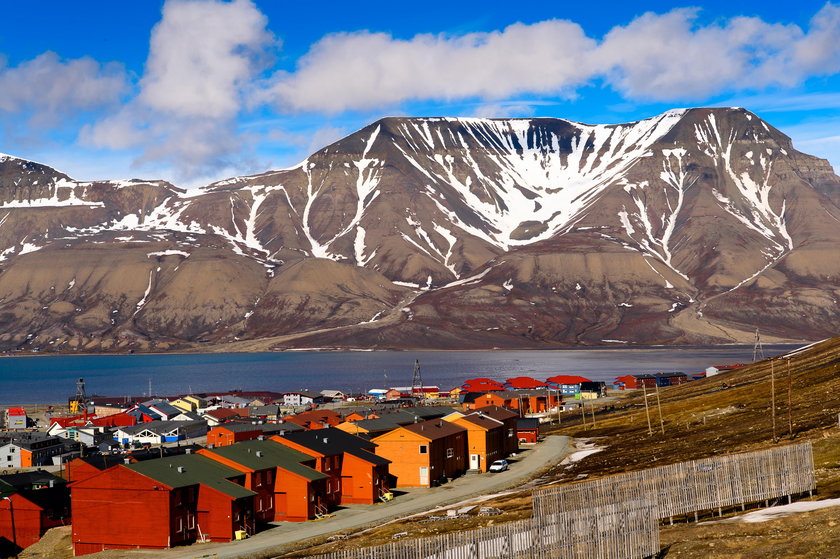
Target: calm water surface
51, 379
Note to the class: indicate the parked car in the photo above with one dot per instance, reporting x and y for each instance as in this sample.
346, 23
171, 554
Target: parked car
499, 466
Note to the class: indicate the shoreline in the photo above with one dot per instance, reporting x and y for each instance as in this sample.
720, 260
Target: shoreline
792, 345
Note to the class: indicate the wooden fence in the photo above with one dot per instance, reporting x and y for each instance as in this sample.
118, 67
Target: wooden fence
698, 485
616, 517
626, 530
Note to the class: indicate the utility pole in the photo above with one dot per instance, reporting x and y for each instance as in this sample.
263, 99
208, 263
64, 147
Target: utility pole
773, 397
647, 410
659, 406
790, 400
583, 411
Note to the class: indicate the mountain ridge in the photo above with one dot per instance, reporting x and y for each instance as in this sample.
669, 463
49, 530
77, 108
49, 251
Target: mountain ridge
688, 227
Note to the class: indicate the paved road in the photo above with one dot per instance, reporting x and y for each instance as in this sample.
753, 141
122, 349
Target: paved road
525, 466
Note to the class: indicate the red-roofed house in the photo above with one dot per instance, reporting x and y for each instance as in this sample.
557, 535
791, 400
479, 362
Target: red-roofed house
524, 383
566, 384
15, 418
481, 385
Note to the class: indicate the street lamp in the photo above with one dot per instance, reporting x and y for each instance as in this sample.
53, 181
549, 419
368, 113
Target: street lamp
12, 516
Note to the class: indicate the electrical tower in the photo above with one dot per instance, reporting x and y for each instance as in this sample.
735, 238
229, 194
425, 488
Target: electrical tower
417, 380
758, 351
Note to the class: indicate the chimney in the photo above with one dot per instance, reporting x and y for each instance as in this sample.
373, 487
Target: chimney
126, 461
189, 451
259, 454
181, 469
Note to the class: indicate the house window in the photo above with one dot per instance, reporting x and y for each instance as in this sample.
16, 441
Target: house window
329, 487
450, 452
191, 522
424, 449
180, 525
510, 432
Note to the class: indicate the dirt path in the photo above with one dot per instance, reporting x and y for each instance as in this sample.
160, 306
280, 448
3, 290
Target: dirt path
415, 500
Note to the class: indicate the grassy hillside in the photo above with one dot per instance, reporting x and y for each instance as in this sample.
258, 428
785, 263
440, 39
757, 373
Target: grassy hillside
703, 419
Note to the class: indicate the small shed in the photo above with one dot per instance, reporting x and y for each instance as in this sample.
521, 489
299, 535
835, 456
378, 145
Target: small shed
528, 430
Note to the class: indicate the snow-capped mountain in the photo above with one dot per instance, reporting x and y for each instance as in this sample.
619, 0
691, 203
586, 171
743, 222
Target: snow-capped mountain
695, 226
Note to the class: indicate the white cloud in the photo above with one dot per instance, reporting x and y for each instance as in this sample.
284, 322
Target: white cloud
503, 110
661, 57
368, 70
204, 56
49, 89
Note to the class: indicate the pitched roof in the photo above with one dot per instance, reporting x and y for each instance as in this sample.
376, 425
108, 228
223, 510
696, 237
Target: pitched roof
308, 393
434, 429
481, 420
527, 423
31, 480
498, 413
314, 416
369, 457
267, 428
524, 382
163, 407
225, 413
429, 412
160, 427
567, 379
260, 455
190, 469
329, 441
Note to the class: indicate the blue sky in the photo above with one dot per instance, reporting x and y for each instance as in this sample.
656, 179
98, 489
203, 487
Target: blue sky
197, 90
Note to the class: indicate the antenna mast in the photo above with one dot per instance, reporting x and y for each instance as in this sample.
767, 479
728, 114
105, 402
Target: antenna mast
417, 380
758, 351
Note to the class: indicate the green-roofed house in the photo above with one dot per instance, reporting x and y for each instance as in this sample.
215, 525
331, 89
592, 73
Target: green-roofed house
287, 485
157, 504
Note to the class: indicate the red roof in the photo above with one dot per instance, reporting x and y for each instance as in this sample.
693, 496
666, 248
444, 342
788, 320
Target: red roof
17, 411
524, 383
481, 385
567, 379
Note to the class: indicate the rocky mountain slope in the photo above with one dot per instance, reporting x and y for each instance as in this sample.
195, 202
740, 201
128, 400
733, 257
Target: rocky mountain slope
695, 226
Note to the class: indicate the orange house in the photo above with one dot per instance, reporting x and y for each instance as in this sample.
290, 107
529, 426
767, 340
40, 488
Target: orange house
286, 483
356, 474
485, 439
524, 401
510, 420
425, 453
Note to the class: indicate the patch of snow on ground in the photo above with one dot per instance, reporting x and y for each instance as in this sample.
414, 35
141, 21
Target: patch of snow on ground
773, 513
168, 253
584, 449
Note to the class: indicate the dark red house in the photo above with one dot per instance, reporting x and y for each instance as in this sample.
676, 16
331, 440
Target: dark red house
157, 504
356, 474
287, 485
30, 504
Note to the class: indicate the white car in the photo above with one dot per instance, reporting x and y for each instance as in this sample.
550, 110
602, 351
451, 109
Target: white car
499, 466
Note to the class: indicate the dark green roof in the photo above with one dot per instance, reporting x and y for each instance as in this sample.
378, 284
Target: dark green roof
259, 455
194, 469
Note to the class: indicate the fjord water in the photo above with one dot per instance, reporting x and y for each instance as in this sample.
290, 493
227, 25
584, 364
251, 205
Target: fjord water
51, 379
